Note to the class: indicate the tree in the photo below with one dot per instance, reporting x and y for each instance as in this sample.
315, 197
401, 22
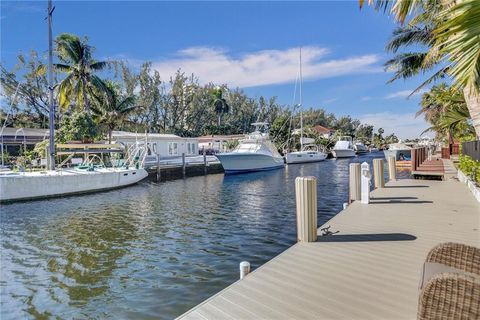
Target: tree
114, 110
219, 104
29, 90
280, 132
452, 41
78, 125
445, 109
80, 84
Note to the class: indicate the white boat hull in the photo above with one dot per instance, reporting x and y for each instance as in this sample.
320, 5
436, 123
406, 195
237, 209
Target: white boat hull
343, 153
396, 153
304, 157
34, 185
248, 162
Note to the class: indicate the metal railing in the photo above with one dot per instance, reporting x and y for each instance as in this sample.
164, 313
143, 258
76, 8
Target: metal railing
472, 149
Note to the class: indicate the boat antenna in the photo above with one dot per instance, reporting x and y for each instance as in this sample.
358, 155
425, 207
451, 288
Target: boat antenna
51, 120
301, 106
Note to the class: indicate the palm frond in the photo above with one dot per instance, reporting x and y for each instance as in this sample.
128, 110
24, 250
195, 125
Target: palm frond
406, 65
408, 35
459, 38
100, 65
69, 48
62, 67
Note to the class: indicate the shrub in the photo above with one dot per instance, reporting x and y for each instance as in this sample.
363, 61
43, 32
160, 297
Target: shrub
470, 167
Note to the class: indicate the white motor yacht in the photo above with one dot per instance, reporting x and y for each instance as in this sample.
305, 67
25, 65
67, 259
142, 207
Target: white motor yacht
254, 153
360, 148
399, 150
344, 148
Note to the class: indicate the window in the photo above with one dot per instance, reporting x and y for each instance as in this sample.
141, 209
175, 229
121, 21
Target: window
189, 148
155, 147
194, 148
172, 148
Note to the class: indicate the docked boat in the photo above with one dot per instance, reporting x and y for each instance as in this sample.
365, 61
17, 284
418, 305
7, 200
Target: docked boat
344, 148
360, 148
309, 152
17, 186
399, 150
254, 153
59, 181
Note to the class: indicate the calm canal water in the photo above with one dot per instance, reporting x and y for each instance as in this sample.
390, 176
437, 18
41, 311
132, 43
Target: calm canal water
151, 250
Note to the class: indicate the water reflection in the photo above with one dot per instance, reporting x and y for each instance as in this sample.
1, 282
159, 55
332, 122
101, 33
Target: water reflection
151, 250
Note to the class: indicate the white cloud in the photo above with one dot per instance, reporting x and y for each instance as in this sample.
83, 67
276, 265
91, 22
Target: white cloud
329, 101
367, 98
265, 67
404, 94
404, 125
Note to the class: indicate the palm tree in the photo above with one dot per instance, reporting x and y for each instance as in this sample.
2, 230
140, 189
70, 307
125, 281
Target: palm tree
114, 110
219, 104
81, 84
452, 37
445, 109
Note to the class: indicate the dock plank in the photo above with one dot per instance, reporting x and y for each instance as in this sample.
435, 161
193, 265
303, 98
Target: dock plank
369, 270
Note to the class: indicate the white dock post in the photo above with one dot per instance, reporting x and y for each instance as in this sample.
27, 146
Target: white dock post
306, 198
378, 173
244, 269
184, 165
392, 170
354, 181
366, 176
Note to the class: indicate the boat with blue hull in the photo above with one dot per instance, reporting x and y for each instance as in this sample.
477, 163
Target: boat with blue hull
254, 153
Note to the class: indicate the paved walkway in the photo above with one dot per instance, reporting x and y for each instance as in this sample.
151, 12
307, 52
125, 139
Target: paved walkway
369, 270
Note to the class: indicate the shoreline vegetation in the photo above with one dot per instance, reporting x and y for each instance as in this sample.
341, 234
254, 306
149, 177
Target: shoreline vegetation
94, 98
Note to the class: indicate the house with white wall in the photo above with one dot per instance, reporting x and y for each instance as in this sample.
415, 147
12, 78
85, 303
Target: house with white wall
164, 144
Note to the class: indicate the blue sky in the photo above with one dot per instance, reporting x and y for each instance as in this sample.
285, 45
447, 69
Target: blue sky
252, 45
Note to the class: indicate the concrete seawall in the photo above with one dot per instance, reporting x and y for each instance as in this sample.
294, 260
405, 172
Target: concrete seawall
174, 172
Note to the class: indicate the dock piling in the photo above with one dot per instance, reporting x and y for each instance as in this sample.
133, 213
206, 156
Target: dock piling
306, 198
244, 269
366, 177
204, 162
354, 182
158, 167
184, 165
378, 173
392, 171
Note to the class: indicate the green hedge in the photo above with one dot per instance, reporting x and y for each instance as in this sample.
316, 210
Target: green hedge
470, 167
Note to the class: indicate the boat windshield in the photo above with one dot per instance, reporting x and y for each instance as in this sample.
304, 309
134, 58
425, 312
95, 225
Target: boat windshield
247, 147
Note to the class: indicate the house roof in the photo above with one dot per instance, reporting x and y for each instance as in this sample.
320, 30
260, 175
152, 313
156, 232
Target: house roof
322, 130
126, 134
27, 132
221, 137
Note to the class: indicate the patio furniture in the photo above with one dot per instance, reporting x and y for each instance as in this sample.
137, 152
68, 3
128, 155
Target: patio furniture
450, 283
450, 296
456, 255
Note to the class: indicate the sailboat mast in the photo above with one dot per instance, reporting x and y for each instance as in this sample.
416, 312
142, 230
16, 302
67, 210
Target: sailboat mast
51, 121
301, 106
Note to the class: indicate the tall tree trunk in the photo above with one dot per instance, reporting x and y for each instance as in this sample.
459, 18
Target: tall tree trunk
110, 135
472, 98
85, 95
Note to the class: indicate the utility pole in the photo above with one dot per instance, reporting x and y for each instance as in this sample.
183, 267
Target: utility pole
51, 122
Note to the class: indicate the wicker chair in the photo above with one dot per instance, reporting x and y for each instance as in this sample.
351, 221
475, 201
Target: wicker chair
456, 255
450, 296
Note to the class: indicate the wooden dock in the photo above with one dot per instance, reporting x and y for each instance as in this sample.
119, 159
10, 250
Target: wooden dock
369, 270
